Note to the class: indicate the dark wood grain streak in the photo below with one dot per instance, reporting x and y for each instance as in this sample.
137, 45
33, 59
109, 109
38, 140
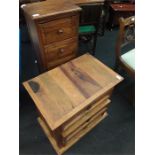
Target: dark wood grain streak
80, 79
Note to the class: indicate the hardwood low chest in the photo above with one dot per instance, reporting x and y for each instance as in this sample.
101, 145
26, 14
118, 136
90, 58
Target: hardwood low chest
72, 99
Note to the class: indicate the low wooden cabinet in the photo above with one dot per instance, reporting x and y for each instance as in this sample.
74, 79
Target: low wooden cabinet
72, 99
53, 29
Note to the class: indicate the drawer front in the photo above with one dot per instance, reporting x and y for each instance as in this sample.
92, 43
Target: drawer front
60, 50
87, 115
58, 30
90, 121
87, 109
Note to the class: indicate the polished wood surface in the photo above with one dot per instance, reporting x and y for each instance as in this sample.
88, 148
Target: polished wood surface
72, 99
49, 24
53, 28
69, 88
123, 7
84, 119
58, 30
49, 8
60, 50
52, 7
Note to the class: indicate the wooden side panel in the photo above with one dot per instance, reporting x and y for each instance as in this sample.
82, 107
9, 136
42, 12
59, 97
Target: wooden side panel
36, 42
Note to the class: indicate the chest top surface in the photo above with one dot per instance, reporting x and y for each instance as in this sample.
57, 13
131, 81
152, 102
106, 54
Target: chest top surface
62, 92
123, 7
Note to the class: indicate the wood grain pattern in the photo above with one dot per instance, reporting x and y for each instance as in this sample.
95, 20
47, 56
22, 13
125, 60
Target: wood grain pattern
85, 118
84, 125
58, 30
50, 23
61, 49
56, 104
49, 8
53, 21
82, 113
123, 7
86, 85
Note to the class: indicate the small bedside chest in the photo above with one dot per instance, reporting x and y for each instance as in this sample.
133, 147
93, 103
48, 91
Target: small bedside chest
72, 99
53, 29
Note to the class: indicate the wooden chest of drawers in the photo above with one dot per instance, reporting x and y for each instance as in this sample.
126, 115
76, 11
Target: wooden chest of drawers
53, 29
72, 99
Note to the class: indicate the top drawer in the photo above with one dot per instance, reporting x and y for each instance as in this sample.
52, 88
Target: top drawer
60, 29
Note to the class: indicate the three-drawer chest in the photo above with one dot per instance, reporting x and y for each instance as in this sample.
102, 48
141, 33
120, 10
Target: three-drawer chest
72, 99
53, 29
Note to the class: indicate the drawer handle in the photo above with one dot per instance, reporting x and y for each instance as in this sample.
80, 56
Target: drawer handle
61, 50
60, 31
88, 120
88, 108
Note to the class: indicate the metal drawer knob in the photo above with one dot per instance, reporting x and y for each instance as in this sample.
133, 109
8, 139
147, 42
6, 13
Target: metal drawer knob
60, 31
88, 107
61, 50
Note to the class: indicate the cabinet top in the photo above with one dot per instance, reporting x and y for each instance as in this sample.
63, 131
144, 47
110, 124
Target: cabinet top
65, 90
123, 7
38, 10
49, 8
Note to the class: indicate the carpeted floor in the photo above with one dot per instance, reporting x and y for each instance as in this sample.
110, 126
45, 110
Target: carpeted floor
113, 136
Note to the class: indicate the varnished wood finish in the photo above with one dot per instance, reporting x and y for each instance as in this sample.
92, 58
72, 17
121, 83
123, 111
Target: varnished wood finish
59, 50
123, 7
52, 27
71, 98
49, 23
69, 88
82, 114
84, 118
85, 125
49, 9
58, 30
